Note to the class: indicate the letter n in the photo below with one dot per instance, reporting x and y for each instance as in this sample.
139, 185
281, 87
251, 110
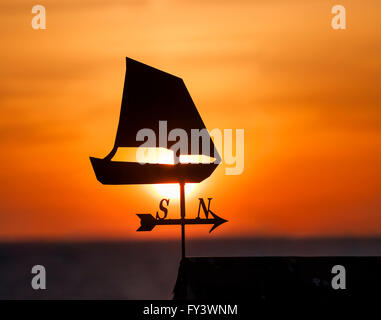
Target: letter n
203, 205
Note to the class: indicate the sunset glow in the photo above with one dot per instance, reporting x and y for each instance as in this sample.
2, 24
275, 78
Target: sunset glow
307, 96
172, 190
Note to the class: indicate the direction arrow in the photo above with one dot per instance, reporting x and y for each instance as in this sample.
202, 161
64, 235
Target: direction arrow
148, 222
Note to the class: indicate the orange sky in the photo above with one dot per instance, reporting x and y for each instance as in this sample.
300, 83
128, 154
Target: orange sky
307, 96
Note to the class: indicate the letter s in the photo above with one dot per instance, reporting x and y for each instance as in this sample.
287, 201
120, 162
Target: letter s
162, 208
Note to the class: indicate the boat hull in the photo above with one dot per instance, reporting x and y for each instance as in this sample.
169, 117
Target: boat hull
118, 172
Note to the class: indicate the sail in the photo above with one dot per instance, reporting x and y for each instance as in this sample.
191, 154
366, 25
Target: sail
151, 95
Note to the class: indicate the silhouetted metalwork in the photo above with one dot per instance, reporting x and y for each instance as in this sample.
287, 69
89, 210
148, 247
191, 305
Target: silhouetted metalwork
150, 96
148, 222
118, 172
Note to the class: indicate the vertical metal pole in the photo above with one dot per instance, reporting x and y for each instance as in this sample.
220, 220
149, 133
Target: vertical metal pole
182, 212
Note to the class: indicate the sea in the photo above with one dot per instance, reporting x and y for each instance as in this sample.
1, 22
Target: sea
140, 269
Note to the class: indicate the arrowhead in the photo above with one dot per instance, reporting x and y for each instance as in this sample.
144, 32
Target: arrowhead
218, 221
147, 222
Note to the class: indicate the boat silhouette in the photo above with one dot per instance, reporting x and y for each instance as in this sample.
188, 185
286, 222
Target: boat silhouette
149, 96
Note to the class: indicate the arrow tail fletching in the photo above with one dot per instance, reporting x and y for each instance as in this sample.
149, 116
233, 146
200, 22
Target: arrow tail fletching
147, 222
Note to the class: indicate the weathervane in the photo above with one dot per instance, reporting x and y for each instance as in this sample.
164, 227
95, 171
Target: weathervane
155, 101
148, 222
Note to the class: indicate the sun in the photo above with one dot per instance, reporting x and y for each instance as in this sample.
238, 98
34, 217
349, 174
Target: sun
164, 156
172, 190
